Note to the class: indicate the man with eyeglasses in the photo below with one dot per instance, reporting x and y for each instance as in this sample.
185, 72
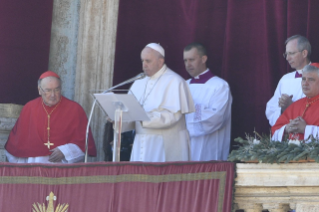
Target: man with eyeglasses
298, 51
50, 129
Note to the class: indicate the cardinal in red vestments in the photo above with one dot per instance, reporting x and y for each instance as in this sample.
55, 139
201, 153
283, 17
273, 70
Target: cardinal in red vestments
51, 128
301, 119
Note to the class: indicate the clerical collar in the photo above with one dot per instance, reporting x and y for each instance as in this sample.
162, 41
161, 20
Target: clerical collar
298, 75
198, 76
312, 98
156, 77
159, 73
310, 101
202, 78
50, 107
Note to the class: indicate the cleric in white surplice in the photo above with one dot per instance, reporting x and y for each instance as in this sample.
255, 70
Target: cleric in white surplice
209, 126
166, 98
298, 51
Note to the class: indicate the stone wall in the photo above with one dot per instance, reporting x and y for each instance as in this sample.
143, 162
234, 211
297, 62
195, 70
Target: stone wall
9, 113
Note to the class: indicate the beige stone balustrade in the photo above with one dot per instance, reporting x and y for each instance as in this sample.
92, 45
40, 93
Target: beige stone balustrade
277, 187
9, 113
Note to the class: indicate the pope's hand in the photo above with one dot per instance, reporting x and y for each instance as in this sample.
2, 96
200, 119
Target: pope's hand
284, 102
56, 155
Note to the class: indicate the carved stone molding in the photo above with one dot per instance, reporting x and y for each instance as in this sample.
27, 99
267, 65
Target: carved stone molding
278, 187
307, 207
250, 207
276, 207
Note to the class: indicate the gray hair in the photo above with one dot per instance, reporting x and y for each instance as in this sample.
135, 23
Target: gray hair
303, 43
310, 68
160, 56
40, 80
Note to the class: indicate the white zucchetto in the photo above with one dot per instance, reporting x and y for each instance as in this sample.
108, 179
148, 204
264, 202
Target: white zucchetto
156, 47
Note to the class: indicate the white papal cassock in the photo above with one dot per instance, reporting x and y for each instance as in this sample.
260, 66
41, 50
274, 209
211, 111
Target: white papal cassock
166, 99
209, 126
288, 84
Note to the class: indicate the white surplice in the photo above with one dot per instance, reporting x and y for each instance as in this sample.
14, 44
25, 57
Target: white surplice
310, 130
288, 84
71, 152
166, 99
209, 126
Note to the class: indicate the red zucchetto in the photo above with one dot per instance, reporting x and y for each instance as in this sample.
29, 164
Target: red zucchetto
49, 74
315, 64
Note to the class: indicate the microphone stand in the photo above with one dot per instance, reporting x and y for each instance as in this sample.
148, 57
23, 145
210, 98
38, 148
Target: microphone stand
139, 76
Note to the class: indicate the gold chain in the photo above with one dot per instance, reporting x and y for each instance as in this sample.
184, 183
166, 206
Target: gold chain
307, 105
48, 144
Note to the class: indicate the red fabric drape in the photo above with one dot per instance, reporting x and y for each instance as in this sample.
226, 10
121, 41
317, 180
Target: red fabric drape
25, 30
119, 187
245, 41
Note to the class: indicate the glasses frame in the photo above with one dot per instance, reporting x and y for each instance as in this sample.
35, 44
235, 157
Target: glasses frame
290, 54
55, 91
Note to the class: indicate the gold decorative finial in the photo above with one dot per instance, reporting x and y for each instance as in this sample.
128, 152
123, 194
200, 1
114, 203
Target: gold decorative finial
41, 208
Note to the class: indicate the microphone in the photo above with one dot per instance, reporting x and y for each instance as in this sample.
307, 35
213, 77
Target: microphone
139, 76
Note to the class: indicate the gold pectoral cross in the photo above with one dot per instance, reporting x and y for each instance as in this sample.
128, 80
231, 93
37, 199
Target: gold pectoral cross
48, 144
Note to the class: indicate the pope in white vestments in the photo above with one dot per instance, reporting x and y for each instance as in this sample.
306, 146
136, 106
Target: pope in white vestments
209, 126
166, 98
289, 90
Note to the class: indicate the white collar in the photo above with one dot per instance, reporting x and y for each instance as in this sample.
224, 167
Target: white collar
159, 72
197, 77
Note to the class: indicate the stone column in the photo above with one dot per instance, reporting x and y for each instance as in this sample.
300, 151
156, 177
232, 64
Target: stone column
95, 59
64, 42
82, 53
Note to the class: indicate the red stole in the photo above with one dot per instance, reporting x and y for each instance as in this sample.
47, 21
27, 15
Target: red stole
67, 125
311, 115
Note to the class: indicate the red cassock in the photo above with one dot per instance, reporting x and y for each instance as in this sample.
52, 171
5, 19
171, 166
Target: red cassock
311, 115
68, 124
